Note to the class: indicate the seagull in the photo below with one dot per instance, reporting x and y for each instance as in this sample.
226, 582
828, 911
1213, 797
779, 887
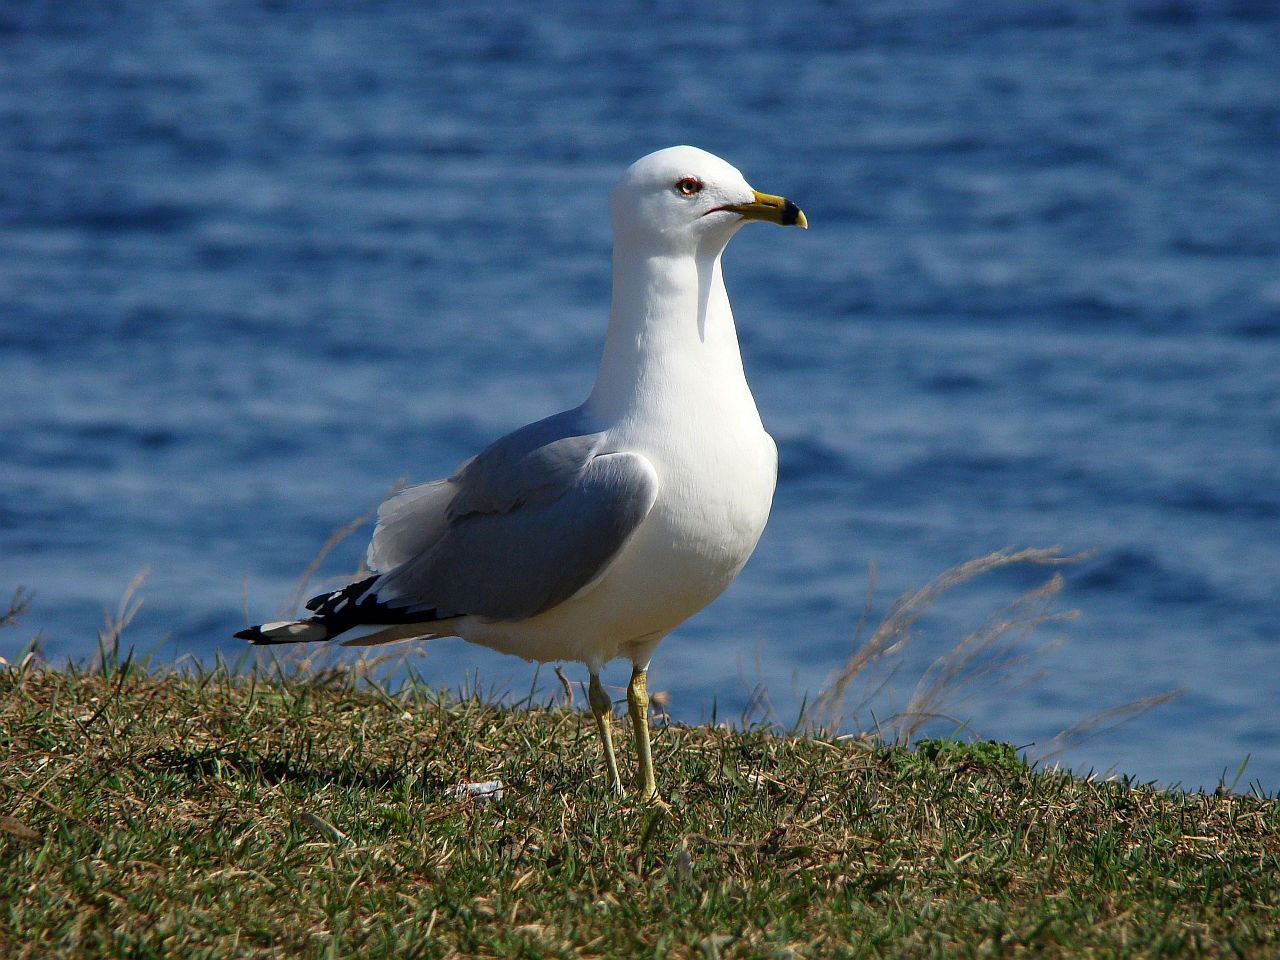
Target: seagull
592, 534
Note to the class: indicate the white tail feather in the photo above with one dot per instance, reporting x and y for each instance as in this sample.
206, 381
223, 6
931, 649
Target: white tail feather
402, 631
301, 630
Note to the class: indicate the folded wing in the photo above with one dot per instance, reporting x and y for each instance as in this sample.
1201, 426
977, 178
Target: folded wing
517, 530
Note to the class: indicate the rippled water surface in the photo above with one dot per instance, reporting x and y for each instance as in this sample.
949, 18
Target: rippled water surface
258, 262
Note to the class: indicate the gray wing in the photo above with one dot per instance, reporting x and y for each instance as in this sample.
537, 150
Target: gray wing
408, 523
517, 530
530, 466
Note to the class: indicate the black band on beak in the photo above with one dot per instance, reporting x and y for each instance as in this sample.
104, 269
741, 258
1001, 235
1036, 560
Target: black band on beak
766, 206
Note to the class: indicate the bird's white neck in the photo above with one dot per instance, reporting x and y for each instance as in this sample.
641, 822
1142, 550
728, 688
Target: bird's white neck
671, 334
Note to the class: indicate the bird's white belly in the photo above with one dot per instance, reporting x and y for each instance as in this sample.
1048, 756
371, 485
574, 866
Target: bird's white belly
711, 509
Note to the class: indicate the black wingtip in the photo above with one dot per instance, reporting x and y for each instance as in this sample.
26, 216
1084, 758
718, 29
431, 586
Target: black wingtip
351, 592
259, 639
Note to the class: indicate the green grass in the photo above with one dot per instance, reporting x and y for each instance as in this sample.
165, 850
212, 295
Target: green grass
209, 814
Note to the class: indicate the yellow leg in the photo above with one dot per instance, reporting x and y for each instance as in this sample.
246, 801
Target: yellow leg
602, 710
638, 705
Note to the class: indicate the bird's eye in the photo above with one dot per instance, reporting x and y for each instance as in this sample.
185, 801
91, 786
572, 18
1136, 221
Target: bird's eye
688, 186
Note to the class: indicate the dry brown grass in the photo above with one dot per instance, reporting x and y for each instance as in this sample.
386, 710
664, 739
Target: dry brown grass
999, 654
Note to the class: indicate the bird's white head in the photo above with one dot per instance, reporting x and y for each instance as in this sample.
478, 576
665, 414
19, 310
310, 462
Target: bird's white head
683, 199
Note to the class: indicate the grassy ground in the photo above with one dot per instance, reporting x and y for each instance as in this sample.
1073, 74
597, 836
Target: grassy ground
162, 815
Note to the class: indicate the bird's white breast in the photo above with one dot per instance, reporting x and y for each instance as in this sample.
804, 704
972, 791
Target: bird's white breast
717, 475
716, 478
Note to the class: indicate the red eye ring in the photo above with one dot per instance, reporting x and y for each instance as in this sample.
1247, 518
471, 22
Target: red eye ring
688, 186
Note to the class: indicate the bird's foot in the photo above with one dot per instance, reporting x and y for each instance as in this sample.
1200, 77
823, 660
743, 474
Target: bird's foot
653, 801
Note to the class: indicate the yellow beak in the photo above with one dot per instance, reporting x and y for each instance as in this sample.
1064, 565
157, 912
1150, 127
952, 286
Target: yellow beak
774, 209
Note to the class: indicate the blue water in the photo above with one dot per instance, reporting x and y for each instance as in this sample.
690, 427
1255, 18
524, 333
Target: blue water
259, 261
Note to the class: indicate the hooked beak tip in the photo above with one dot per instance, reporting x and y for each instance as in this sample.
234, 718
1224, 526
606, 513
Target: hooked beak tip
766, 206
